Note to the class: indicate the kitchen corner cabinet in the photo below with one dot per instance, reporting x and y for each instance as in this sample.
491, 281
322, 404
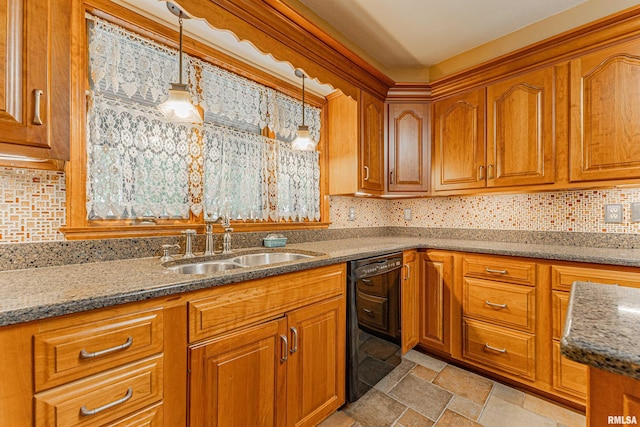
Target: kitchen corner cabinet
410, 304
435, 286
356, 144
408, 148
614, 399
605, 114
35, 78
286, 371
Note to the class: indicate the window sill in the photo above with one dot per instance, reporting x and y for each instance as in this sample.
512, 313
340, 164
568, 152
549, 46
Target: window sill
103, 231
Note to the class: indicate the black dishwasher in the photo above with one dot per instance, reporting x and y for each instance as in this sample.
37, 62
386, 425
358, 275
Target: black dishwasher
373, 321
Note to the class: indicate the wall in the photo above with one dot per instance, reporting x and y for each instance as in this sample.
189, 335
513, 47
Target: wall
33, 205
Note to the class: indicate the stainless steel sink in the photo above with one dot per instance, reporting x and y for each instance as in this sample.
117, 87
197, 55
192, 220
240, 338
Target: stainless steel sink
248, 260
251, 260
204, 267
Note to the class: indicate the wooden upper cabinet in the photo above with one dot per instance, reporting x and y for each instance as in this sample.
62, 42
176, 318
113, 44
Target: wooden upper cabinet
605, 114
408, 147
371, 143
520, 130
34, 78
459, 141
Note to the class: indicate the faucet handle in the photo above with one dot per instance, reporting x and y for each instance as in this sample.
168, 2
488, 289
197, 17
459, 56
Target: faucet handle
189, 232
165, 252
228, 229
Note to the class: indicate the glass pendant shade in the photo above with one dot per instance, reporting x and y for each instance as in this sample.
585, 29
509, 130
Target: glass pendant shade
303, 141
179, 106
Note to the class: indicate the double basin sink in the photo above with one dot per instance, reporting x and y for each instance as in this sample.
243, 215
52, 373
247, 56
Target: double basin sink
240, 261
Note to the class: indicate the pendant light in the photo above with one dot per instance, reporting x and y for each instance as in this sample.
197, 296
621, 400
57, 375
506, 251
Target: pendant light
179, 106
303, 141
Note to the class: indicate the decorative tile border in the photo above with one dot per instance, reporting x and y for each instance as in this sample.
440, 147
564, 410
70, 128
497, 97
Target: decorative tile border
32, 205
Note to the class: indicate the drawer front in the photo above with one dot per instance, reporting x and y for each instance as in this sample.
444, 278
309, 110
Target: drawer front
502, 269
563, 277
148, 417
560, 303
376, 285
68, 354
372, 311
234, 306
103, 398
499, 348
502, 303
568, 376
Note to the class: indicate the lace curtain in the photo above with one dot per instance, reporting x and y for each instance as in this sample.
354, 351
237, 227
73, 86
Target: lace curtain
138, 164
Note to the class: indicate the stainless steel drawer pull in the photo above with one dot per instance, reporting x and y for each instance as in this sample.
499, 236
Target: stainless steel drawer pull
37, 120
408, 276
366, 173
85, 412
369, 312
294, 331
84, 354
285, 352
493, 304
499, 350
489, 270
366, 281
481, 173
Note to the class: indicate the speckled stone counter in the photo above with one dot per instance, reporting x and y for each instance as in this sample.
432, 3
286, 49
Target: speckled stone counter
603, 328
38, 293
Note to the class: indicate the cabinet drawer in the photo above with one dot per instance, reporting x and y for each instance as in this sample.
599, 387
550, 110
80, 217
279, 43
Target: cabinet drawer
110, 396
563, 277
502, 303
499, 348
148, 417
68, 354
502, 269
372, 311
569, 376
376, 285
560, 303
230, 307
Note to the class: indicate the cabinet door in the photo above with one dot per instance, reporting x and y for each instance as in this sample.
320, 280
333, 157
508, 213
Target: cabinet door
409, 147
316, 365
371, 143
32, 52
520, 130
240, 379
459, 142
435, 293
410, 300
605, 114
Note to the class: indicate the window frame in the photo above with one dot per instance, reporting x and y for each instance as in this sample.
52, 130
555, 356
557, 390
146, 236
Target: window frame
78, 225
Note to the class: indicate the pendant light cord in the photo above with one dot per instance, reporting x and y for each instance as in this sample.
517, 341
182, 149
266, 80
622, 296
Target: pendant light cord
180, 60
302, 99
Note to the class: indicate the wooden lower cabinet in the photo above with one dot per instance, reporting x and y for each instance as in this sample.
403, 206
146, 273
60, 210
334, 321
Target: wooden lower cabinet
410, 302
436, 275
613, 399
288, 371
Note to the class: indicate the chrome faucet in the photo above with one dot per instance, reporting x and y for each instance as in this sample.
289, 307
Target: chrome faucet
188, 250
209, 245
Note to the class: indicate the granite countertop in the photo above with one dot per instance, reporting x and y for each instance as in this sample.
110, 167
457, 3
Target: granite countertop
39, 293
602, 328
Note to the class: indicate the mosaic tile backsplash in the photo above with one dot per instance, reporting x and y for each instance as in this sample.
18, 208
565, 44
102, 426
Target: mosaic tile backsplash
32, 205
32, 209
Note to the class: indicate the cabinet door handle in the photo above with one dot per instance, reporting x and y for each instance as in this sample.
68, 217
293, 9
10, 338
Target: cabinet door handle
481, 173
84, 354
490, 171
85, 412
489, 270
285, 345
493, 304
408, 275
294, 331
391, 177
366, 173
37, 120
499, 350
369, 312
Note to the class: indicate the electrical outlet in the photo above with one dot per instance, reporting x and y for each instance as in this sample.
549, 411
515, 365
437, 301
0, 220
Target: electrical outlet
407, 214
613, 213
635, 212
352, 214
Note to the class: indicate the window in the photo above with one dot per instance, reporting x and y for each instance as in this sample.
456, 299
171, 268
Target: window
139, 165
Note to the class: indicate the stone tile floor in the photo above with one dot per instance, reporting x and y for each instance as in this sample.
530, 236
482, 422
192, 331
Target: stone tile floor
423, 391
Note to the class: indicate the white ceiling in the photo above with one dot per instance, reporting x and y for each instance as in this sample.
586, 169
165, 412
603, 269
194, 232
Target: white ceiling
421, 33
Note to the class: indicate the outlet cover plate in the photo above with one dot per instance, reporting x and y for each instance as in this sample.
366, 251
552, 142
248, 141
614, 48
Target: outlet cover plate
407, 214
613, 213
635, 212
